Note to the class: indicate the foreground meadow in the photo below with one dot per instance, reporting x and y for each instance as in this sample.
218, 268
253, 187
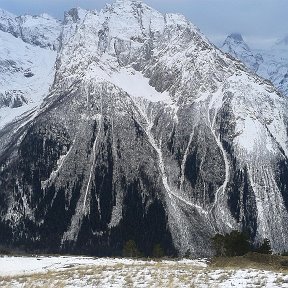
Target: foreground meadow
107, 272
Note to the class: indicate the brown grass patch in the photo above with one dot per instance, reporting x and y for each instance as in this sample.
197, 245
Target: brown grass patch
251, 260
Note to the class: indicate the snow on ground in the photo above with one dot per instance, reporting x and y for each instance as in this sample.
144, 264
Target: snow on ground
27, 265
134, 83
104, 272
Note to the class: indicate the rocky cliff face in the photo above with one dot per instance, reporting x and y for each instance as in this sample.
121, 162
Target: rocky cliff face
149, 133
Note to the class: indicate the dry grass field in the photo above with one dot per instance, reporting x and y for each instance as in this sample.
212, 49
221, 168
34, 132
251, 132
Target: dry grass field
104, 272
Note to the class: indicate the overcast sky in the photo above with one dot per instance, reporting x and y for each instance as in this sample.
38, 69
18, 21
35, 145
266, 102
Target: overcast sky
260, 22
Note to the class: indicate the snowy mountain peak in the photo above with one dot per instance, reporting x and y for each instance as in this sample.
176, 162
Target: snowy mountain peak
270, 63
42, 30
4, 13
235, 40
141, 10
237, 37
74, 15
127, 5
8, 23
237, 47
128, 2
47, 16
124, 32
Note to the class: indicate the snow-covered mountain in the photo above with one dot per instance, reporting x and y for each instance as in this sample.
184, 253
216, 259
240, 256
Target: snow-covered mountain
27, 60
42, 31
26, 74
150, 133
236, 47
269, 63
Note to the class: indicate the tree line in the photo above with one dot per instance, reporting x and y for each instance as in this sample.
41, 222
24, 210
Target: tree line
231, 244
130, 250
237, 243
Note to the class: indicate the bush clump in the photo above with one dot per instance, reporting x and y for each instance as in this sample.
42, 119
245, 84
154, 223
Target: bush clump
158, 251
130, 249
265, 247
233, 244
237, 243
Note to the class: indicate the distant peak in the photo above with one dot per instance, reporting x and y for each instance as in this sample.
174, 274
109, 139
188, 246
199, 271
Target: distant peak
234, 44
74, 14
128, 1
46, 16
6, 13
235, 39
236, 36
125, 5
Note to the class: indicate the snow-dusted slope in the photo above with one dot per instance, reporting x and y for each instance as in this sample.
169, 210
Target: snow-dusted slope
275, 65
26, 74
8, 23
27, 58
272, 63
149, 133
42, 30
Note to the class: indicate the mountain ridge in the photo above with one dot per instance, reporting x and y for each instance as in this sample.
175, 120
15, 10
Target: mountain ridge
42, 30
147, 133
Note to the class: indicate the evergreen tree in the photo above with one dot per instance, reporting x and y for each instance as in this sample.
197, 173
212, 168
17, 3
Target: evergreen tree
265, 247
236, 243
187, 254
219, 244
158, 251
233, 244
130, 249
